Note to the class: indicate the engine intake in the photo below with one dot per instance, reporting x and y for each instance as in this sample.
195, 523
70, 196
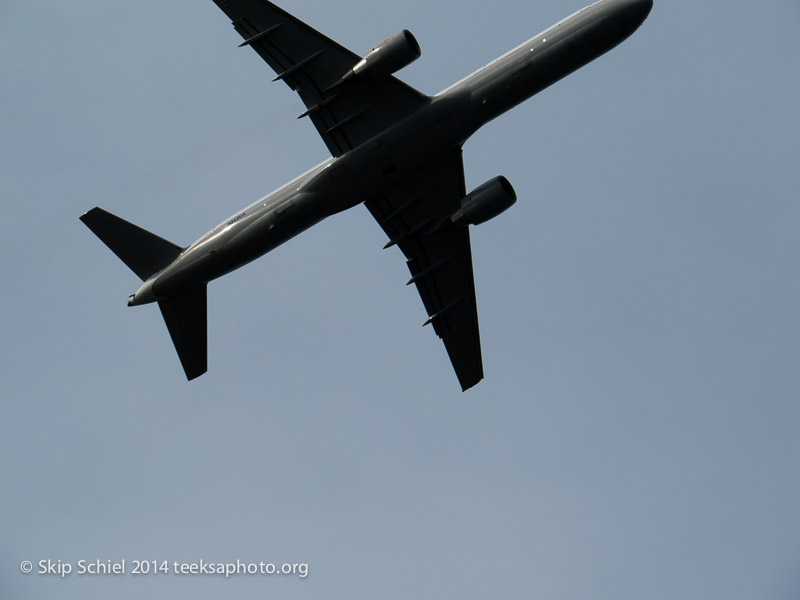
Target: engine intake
485, 202
391, 55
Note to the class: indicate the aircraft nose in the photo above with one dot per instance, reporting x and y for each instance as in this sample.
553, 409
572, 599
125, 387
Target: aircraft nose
629, 14
635, 10
645, 6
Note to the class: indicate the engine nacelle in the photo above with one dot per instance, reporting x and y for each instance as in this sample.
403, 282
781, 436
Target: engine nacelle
485, 202
391, 55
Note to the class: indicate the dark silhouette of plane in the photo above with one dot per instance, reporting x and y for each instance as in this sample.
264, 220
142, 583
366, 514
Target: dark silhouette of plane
393, 148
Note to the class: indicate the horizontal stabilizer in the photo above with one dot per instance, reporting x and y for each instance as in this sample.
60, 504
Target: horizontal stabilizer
185, 316
143, 252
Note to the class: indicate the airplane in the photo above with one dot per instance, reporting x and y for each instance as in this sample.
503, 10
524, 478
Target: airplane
393, 149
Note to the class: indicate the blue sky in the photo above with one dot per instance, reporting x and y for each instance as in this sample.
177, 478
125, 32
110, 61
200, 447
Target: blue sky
637, 431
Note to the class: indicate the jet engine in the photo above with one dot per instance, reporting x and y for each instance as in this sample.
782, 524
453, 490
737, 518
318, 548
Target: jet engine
391, 55
485, 202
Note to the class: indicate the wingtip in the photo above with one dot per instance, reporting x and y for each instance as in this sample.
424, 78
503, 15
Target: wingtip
470, 385
195, 374
85, 215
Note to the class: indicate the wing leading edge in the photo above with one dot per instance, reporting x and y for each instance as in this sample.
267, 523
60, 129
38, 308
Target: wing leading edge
440, 260
347, 112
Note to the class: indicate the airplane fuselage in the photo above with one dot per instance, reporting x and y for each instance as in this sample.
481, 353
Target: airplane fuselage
443, 123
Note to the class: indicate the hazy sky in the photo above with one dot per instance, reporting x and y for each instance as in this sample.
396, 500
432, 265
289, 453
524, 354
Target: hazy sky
638, 431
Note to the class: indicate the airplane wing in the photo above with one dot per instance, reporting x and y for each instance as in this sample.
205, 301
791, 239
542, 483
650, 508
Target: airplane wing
345, 113
440, 261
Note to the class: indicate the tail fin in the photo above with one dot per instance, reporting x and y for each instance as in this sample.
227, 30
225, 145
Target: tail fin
143, 252
146, 254
185, 316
